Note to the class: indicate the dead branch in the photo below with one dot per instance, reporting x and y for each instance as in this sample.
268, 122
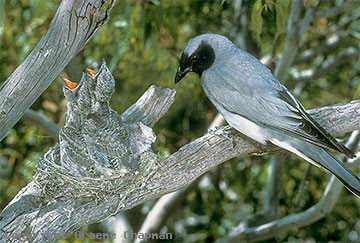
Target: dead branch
104, 163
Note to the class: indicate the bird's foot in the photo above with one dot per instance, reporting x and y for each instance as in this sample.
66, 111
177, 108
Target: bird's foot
223, 131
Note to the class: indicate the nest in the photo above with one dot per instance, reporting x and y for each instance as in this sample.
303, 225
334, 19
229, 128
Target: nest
98, 154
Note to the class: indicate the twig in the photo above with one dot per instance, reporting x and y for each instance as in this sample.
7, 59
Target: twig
329, 64
291, 43
344, 7
331, 44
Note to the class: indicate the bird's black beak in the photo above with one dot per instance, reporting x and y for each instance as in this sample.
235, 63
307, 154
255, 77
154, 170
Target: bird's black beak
181, 73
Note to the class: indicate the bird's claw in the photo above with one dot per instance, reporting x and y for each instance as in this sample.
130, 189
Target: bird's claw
222, 131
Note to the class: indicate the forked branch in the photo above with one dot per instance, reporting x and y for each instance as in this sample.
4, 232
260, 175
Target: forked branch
104, 163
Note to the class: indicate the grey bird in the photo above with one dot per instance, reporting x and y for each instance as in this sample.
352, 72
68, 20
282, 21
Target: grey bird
256, 104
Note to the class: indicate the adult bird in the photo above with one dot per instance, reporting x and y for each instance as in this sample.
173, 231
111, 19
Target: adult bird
256, 104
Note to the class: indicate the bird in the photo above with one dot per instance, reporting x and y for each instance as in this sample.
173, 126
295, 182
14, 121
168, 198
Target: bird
256, 104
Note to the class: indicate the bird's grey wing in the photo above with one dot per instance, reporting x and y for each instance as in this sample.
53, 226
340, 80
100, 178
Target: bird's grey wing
266, 102
309, 129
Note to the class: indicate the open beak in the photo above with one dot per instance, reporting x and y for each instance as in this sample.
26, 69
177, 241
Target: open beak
180, 74
70, 85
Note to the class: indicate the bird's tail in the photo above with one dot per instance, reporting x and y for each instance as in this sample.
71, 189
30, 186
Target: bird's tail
322, 158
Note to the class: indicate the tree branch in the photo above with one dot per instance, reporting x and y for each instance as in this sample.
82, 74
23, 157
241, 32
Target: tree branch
161, 211
331, 44
331, 63
41, 120
118, 225
104, 163
291, 43
344, 7
74, 24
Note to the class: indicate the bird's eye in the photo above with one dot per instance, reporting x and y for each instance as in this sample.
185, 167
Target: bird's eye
194, 58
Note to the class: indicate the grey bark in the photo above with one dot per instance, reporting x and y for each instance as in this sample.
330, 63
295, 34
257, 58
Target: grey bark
104, 163
74, 24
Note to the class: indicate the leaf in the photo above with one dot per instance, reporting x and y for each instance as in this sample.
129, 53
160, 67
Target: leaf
282, 12
357, 92
256, 19
269, 5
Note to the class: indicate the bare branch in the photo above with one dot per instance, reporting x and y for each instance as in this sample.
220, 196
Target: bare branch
104, 163
326, 116
331, 44
161, 211
41, 120
344, 7
75, 22
118, 225
291, 44
330, 63
140, 112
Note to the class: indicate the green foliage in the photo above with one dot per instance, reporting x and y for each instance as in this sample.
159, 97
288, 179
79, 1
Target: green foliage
257, 20
142, 44
263, 11
357, 91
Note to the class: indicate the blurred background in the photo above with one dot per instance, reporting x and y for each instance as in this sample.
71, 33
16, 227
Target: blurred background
142, 43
